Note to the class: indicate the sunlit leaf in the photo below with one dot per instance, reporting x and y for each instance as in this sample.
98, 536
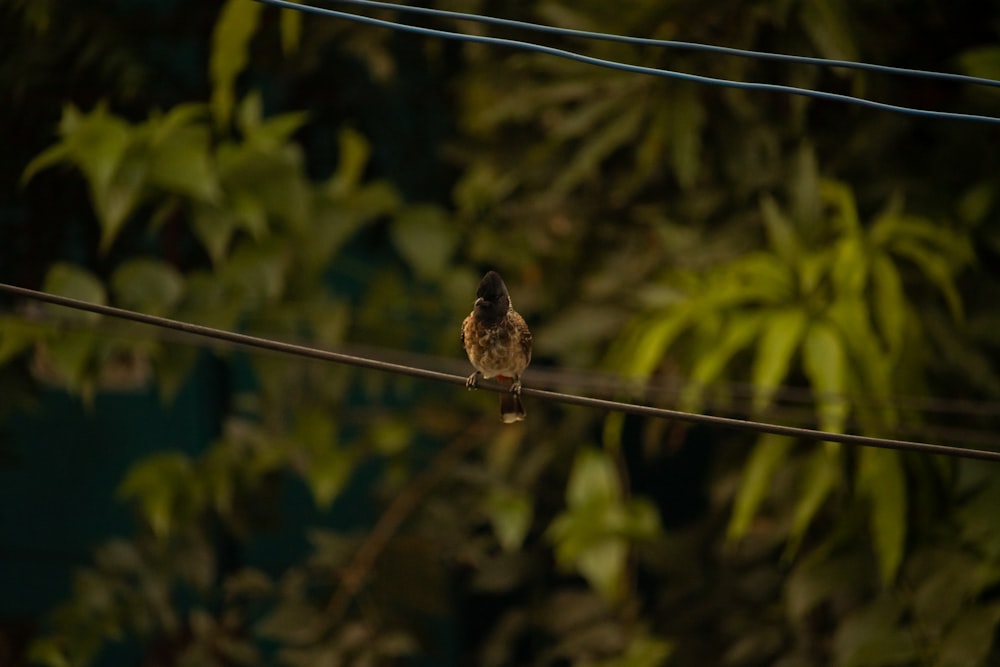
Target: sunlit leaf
593, 479
850, 265
327, 471
645, 349
642, 651
353, 158
881, 481
50, 157
510, 514
603, 564
98, 142
230, 53
116, 202
180, 162
840, 198
162, 485
739, 331
825, 363
768, 454
888, 302
781, 334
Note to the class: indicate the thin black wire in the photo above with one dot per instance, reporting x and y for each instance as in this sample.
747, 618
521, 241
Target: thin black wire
634, 69
558, 397
669, 43
790, 403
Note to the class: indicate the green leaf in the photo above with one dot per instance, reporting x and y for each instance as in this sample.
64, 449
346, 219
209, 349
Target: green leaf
871, 364
291, 30
593, 479
53, 155
354, 154
98, 142
840, 197
781, 234
781, 333
163, 485
592, 535
327, 473
642, 651
214, 227
65, 360
882, 482
850, 265
230, 54
180, 162
822, 472
825, 364
424, 238
115, 203
603, 564
983, 61
510, 514
889, 303
976, 202
77, 283
147, 285
936, 268
645, 348
828, 25
740, 329
768, 454
16, 336
48, 651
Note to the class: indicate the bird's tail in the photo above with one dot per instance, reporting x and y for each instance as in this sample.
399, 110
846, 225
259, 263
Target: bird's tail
511, 409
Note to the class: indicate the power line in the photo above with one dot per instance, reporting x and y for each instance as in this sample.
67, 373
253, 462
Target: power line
558, 397
670, 43
791, 404
634, 69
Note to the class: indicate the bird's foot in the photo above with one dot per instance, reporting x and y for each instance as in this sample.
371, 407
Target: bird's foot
515, 388
473, 381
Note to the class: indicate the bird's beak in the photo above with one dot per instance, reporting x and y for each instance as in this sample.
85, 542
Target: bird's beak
478, 301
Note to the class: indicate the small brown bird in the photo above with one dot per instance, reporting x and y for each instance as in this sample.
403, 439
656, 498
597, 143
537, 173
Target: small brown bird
498, 343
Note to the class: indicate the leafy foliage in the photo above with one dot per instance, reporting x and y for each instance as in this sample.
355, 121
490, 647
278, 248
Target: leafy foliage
757, 256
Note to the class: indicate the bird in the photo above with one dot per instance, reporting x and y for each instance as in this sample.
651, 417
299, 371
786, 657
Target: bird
498, 342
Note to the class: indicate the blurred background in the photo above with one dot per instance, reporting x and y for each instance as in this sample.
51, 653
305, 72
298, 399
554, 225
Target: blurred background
167, 500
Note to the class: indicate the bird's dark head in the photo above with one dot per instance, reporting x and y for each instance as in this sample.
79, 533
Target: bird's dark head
492, 298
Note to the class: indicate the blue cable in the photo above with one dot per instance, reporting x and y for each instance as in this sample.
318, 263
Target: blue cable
635, 69
668, 43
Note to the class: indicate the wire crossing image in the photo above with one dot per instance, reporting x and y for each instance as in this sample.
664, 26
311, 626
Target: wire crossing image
653, 71
557, 397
